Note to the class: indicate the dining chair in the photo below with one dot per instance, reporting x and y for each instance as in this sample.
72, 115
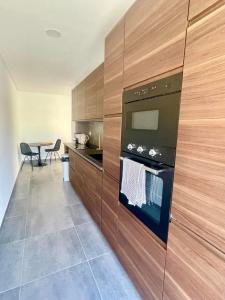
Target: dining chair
27, 152
54, 150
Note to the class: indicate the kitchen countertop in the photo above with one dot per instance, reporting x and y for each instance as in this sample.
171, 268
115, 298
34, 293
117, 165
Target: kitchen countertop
85, 151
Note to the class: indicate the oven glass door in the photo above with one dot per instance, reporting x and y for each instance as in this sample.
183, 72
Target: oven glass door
155, 213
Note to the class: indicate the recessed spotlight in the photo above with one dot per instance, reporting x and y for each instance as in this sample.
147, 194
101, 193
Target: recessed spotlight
53, 33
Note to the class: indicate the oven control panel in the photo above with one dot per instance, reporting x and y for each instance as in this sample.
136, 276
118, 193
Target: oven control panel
152, 152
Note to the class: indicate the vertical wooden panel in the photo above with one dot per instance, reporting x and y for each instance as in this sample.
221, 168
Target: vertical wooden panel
113, 70
100, 91
155, 34
141, 254
194, 269
199, 183
111, 145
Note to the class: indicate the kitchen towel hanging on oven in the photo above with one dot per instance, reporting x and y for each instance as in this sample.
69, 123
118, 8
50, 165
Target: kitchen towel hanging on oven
134, 182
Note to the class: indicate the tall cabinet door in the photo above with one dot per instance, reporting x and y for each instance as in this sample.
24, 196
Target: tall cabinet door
194, 269
199, 183
113, 70
155, 34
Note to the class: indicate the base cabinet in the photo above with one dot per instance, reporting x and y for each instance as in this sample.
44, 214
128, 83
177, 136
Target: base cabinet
110, 196
87, 181
194, 268
141, 254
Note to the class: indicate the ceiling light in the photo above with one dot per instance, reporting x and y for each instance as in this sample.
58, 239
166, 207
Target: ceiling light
53, 33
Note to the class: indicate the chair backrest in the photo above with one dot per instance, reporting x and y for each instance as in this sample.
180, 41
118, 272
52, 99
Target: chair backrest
57, 145
25, 149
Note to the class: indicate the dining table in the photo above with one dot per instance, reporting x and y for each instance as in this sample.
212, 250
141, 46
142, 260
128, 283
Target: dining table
38, 145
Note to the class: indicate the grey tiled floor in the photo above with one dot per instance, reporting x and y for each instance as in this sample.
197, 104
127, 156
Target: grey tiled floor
50, 248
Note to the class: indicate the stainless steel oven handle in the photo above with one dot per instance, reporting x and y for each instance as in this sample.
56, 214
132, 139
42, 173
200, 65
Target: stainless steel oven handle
151, 170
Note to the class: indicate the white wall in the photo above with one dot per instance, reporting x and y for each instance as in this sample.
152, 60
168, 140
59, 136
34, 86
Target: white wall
9, 138
45, 117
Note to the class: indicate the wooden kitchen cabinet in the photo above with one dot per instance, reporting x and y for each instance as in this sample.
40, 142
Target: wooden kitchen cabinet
199, 182
110, 197
155, 34
199, 6
141, 254
194, 268
80, 102
74, 104
100, 91
87, 97
113, 70
87, 181
111, 145
90, 97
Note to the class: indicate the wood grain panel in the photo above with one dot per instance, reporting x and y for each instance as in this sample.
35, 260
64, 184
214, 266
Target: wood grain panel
113, 70
199, 183
100, 91
155, 34
87, 181
143, 257
199, 6
80, 101
109, 224
90, 97
111, 145
194, 269
110, 192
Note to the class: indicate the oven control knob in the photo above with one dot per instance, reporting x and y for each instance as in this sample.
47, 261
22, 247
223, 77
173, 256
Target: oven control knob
153, 152
141, 149
131, 147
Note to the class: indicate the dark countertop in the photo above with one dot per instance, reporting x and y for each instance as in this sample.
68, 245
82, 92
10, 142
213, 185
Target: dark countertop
85, 152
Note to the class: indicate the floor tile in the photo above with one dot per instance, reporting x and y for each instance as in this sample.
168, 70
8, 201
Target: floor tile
70, 195
12, 229
93, 241
10, 295
16, 208
80, 214
71, 284
50, 253
44, 221
11, 265
112, 280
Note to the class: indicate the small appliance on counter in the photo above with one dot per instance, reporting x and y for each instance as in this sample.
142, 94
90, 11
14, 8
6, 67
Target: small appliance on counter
81, 138
149, 136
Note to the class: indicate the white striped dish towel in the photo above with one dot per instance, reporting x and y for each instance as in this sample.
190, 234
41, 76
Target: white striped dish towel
133, 182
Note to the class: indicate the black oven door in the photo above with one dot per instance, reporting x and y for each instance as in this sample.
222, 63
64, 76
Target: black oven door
152, 123
155, 213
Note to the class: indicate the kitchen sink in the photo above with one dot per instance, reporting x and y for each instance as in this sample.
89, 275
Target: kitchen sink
97, 156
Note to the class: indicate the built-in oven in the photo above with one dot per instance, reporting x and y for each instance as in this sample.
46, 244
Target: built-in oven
149, 136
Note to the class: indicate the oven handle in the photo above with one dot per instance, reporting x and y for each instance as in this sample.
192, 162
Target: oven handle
151, 170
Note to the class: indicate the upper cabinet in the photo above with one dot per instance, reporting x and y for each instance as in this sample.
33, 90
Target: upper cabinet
199, 182
87, 97
74, 103
99, 91
113, 73
199, 6
155, 34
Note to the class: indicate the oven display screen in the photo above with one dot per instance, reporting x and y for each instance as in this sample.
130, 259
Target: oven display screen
147, 120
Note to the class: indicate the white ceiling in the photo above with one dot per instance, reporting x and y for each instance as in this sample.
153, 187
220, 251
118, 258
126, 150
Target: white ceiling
38, 63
